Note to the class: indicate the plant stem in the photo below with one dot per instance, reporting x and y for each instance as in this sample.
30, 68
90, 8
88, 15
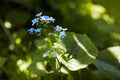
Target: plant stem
7, 32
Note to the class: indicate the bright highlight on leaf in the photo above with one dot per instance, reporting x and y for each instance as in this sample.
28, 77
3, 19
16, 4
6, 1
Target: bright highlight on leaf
7, 24
83, 50
96, 11
23, 65
18, 41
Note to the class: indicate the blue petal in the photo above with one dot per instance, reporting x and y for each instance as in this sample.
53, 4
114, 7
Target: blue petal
45, 18
52, 19
31, 30
47, 53
38, 30
58, 28
35, 20
54, 54
62, 34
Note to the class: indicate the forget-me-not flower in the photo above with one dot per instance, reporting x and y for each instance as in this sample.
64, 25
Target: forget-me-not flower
35, 20
47, 53
38, 30
31, 30
58, 28
54, 54
47, 18
61, 30
52, 19
62, 34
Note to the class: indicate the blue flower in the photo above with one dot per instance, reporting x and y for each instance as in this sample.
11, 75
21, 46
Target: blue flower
62, 34
34, 30
52, 19
54, 54
47, 18
58, 28
47, 53
39, 14
31, 30
35, 20
38, 30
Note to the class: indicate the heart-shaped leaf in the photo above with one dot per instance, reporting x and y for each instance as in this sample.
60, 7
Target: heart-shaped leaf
82, 50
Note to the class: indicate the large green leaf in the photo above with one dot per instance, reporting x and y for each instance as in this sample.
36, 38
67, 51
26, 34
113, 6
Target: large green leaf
108, 62
38, 68
81, 75
43, 45
82, 50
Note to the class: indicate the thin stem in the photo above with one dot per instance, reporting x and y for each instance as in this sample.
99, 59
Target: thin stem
7, 32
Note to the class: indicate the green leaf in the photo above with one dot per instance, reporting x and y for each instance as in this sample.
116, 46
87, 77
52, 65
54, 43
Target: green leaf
38, 68
108, 62
2, 61
83, 74
43, 45
39, 61
82, 50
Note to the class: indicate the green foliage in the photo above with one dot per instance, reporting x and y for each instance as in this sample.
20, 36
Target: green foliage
81, 52
113, 11
78, 56
108, 63
90, 51
2, 61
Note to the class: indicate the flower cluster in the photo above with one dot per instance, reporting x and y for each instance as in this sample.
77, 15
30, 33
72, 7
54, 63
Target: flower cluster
42, 22
61, 30
47, 20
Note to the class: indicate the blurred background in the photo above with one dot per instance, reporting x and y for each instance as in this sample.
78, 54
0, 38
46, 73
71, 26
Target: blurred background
98, 19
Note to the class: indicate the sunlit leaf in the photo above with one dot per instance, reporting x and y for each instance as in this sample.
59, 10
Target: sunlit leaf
38, 68
82, 50
43, 46
108, 62
38, 65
